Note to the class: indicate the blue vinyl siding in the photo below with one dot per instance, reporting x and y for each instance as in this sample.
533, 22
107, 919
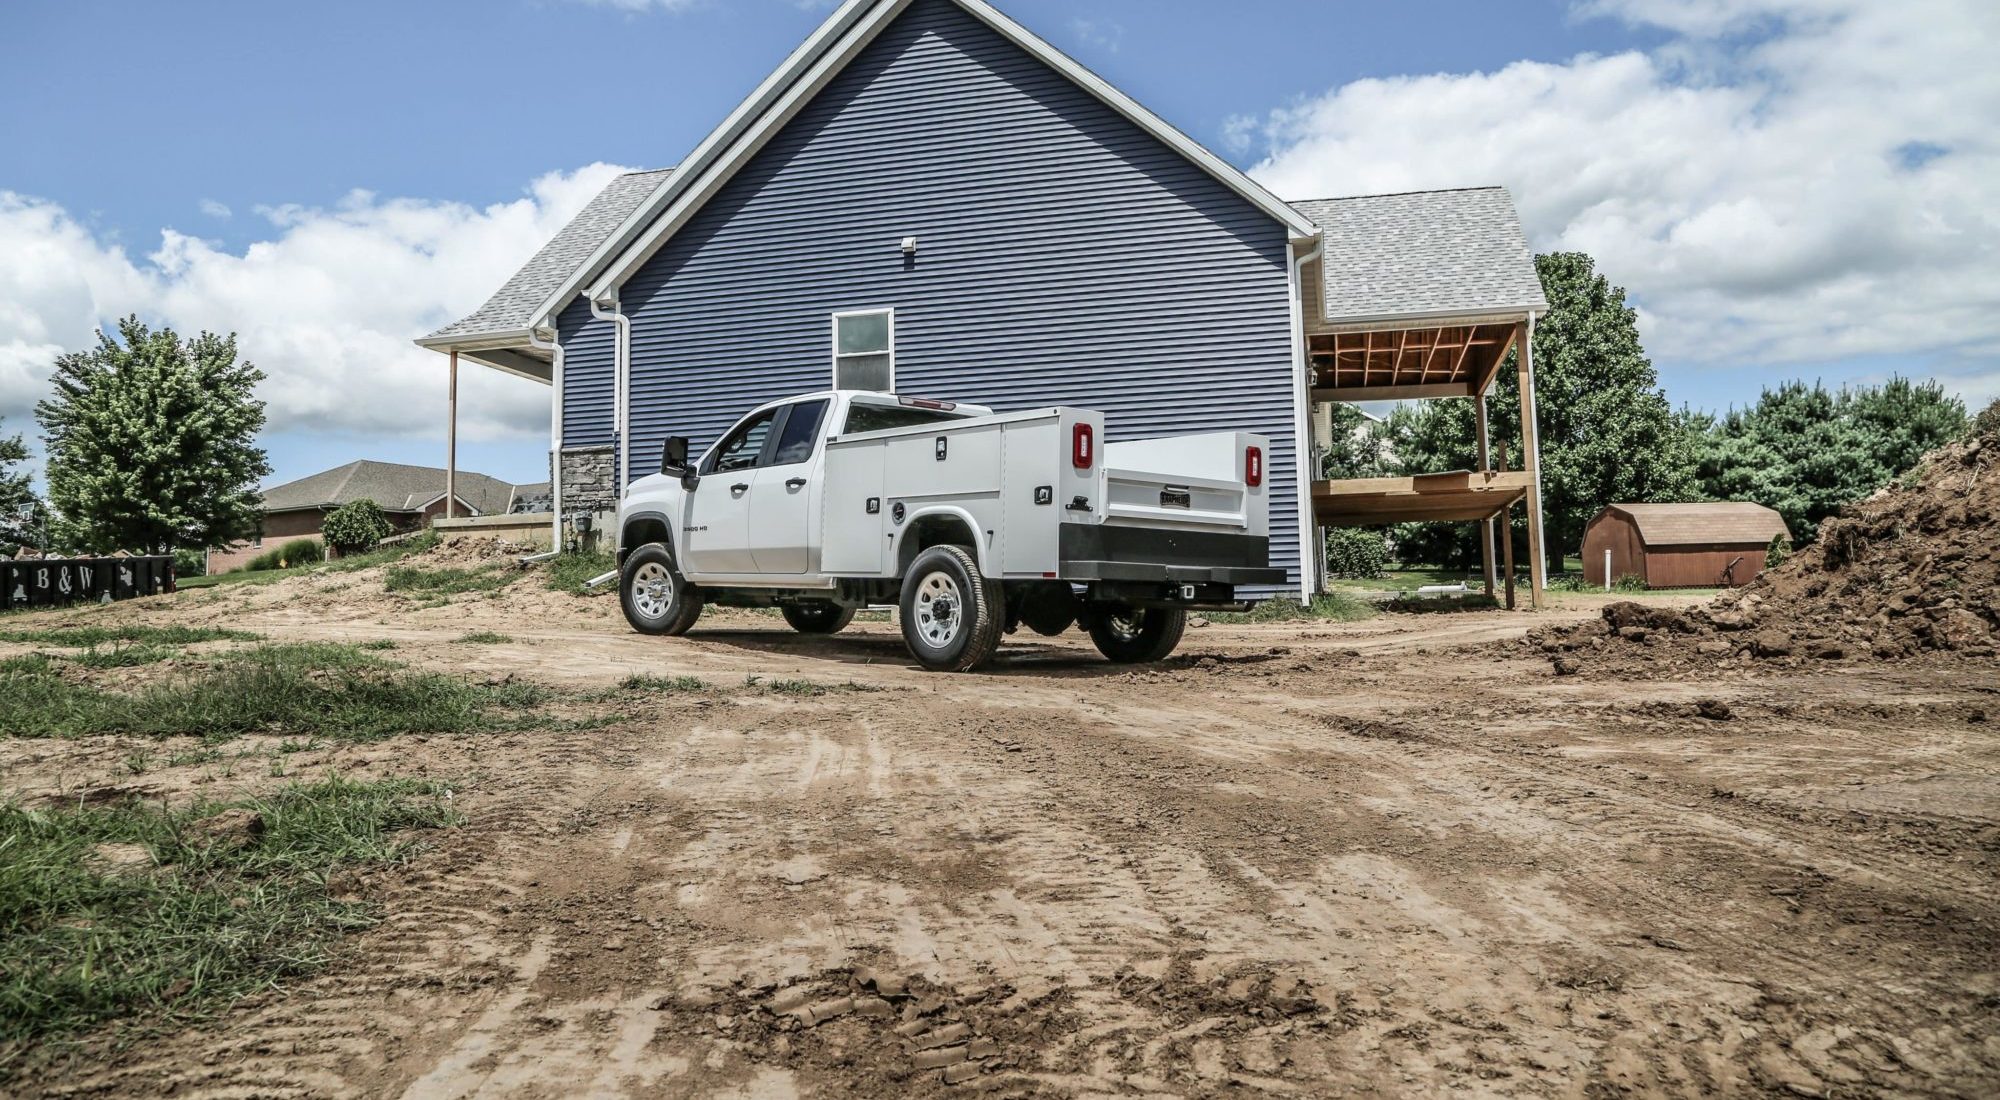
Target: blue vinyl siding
1066, 257
588, 379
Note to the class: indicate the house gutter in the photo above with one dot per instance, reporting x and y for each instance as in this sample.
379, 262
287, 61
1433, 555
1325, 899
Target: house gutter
554, 349
621, 366
1310, 550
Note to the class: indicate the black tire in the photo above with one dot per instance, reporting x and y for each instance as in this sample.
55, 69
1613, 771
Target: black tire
654, 595
818, 616
951, 616
1136, 635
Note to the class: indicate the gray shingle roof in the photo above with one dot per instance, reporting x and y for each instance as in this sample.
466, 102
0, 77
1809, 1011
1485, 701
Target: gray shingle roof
513, 306
1424, 252
397, 488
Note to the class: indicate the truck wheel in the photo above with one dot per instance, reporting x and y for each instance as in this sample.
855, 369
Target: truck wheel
950, 614
656, 598
818, 616
1133, 635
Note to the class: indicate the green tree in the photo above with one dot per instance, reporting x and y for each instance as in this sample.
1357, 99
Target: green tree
1607, 433
152, 442
355, 527
1804, 451
20, 515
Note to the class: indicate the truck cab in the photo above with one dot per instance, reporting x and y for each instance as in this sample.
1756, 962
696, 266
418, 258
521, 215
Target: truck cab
973, 522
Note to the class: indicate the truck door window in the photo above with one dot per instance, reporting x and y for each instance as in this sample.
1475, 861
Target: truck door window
800, 432
743, 447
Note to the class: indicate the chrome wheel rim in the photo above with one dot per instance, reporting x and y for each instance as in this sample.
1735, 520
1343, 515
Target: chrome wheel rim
652, 590
1127, 626
940, 610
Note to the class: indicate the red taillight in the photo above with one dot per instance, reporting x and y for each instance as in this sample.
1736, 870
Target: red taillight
1082, 446
1253, 466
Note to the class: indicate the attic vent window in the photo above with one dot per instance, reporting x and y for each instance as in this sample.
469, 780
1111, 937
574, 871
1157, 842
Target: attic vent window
864, 350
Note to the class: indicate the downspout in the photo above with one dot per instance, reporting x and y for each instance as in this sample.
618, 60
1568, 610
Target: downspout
1309, 549
554, 348
621, 360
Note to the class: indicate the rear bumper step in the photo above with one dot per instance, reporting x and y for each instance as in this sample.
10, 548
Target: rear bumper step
1169, 574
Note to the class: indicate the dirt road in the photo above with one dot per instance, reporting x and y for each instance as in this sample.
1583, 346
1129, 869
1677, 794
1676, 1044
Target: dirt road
1394, 857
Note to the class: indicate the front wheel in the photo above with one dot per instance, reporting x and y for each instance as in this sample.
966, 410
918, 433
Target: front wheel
818, 616
1135, 635
950, 614
656, 598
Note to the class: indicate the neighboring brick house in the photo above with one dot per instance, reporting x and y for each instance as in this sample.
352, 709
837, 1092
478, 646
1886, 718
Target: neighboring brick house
411, 496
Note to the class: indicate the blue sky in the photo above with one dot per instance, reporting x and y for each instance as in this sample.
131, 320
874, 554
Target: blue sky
426, 146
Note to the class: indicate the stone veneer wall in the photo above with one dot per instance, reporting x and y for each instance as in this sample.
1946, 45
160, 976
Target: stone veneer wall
589, 479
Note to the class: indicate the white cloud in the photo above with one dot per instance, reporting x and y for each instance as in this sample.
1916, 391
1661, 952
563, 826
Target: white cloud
1103, 34
215, 209
326, 307
1782, 181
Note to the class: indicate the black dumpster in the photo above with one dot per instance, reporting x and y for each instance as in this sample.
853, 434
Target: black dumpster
47, 582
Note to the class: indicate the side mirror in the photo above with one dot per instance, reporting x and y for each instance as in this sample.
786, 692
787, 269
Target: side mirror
674, 455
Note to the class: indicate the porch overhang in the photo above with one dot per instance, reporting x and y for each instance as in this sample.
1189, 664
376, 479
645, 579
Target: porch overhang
1415, 356
508, 353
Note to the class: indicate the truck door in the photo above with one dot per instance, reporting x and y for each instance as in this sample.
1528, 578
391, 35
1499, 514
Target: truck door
782, 495
716, 536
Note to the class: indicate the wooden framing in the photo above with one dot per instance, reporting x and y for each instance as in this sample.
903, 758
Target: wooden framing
1465, 496
1395, 363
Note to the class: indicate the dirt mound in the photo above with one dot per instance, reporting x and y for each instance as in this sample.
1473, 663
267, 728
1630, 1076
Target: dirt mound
1914, 569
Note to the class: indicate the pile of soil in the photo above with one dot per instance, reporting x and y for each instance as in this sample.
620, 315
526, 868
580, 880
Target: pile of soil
1912, 570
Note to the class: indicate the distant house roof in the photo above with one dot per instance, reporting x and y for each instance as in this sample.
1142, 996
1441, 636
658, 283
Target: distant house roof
512, 307
1703, 524
397, 488
533, 497
1425, 253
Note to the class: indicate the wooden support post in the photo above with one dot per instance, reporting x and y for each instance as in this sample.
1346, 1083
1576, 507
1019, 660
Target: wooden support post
1531, 464
1507, 536
1485, 525
451, 442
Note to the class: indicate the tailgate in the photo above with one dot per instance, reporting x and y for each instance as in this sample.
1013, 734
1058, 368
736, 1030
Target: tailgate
1191, 482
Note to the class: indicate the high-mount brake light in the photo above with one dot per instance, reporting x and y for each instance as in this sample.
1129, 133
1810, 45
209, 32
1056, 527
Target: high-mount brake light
1082, 446
1253, 466
927, 403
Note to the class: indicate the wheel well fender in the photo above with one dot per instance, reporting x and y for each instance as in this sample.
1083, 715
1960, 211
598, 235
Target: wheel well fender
641, 528
939, 526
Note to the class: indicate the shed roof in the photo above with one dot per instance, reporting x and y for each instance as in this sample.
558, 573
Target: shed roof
1708, 523
1425, 253
512, 308
397, 488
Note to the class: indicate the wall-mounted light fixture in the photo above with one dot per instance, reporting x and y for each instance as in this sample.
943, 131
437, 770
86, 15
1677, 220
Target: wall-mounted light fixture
909, 246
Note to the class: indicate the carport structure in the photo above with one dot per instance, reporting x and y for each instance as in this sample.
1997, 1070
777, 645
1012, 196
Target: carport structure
1421, 296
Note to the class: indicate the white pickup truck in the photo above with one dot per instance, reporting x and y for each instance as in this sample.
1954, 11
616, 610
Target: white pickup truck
973, 523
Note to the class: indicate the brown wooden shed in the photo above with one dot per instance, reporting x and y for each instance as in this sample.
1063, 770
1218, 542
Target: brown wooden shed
1705, 545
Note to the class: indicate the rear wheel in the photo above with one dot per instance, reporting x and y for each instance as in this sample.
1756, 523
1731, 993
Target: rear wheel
1134, 635
950, 614
654, 595
818, 616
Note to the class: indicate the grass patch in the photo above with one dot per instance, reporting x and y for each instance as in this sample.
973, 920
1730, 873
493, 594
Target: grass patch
569, 572
194, 756
312, 689
139, 911
663, 685
87, 636
295, 552
378, 644
486, 637
124, 656
1340, 607
804, 688
415, 581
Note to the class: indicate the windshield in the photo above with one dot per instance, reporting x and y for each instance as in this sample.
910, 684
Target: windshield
875, 418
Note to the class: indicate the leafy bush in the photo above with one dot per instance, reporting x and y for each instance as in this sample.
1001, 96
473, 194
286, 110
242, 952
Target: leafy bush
1776, 553
1988, 420
190, 562
1630, 582
356, 527
295, 552
1356, 553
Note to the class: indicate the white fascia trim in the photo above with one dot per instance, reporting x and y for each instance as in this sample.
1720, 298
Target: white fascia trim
478, 341
1302, 451
818, 68
1446, 317
1301, 227
805, 73
704, 155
